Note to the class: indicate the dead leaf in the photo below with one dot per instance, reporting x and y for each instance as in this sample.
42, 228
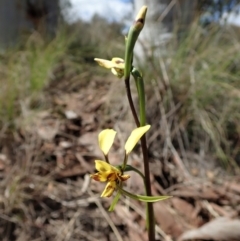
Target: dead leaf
71, 114
182, 207
90, 141
234, 186
65, 144
222, 212
70, 172
3, 159
192, 192
167, 219
222, 228
48, 129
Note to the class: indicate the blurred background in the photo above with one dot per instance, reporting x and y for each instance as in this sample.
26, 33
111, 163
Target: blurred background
54, 100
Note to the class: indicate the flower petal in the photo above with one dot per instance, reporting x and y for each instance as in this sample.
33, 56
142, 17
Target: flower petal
124, 177
135, 137
103, 166
105, 140
100, 176
105, 63
118, 72
109, 189
119, 63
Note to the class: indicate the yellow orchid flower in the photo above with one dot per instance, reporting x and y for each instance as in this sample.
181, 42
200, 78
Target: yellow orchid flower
116, 65
110, 174
106, 172
106, 138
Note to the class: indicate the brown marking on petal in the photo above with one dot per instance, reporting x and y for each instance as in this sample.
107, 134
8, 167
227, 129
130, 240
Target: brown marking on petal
118, 72
124, 177
140, 20
95, 177
112, 177
119, 62
109, 189
99, 177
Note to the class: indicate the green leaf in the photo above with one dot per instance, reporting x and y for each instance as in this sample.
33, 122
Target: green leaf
147, 199
115, 200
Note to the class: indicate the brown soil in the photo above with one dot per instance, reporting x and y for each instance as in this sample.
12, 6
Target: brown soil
46, 192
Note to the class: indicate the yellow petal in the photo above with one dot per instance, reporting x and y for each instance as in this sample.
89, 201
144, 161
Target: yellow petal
105, 140
104, 167
118, 72
105, 63
142, 13
109, 189
135, 137
100, 176
113, 176
119, 63
124, 177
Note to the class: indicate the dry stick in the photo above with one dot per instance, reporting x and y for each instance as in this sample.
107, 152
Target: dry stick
210, 209
166, 85
167, 10
178, 160
66, 231
106, 216
166, 80
139, 211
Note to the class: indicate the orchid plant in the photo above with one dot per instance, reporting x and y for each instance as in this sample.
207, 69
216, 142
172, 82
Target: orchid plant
115, 176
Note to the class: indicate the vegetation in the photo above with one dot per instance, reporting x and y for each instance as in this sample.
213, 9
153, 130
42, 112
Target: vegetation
193, 93
200, 75
25, 70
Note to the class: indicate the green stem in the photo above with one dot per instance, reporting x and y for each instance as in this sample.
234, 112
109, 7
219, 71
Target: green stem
131, 168
141, 95
106, 158
129, 96
150, 211
124, 163
132, 37
130, 43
